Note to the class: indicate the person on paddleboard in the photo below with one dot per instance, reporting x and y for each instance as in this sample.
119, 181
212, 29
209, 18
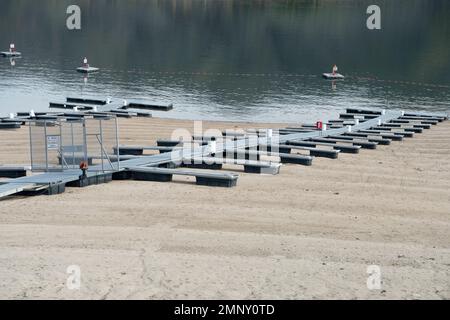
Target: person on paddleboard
335, 69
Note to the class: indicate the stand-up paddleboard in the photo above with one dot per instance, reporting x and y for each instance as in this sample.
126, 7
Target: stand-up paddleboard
86, 68
332, 76
11, 53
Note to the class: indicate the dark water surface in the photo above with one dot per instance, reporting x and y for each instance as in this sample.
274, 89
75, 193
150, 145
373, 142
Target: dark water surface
230, 60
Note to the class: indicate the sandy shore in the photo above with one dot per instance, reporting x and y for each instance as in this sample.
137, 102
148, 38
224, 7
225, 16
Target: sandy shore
309, 232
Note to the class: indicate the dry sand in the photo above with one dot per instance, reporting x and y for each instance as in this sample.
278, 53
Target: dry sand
309, 232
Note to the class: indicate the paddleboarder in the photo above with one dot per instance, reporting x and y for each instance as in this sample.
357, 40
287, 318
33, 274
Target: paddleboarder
335, 69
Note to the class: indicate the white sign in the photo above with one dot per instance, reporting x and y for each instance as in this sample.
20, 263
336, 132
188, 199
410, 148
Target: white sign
52, 142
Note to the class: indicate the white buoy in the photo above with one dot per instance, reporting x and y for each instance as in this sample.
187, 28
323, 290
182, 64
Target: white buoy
32, 114
403, 113
324, 127
383, 112
349, 128
125, 103
379, 122
356, 122
11, 116
75, 109
85, 62
269, 133
108, 100
212, 146
94, 108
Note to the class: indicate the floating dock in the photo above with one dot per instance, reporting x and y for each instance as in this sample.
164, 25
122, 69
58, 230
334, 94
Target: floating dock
365, 132
148, 105
94, 101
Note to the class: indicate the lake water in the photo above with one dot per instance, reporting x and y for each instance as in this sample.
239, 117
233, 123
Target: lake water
230, 60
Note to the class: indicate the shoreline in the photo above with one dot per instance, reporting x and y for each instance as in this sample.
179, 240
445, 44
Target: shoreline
309, 232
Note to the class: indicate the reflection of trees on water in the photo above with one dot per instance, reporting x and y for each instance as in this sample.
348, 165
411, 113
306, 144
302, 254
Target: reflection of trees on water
242, 36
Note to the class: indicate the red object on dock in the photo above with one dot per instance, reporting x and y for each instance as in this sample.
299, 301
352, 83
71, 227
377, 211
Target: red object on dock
319, 124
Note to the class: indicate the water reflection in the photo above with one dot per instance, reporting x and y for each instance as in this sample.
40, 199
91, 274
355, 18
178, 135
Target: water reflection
232, 60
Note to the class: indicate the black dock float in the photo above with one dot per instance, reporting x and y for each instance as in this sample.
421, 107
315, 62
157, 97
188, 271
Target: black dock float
362, 144
315, 152
422, 118
260, 169
402, 125
401, 133
341, 148
203, 165
122, 175
143, 114
439, 118
10, 125
212, 179
120, 114
280, 148
387, 134
169, 143
149, 106
46, 117
214, 182
27, 114
68, 106
364, 111
91, 180
429, 122
250, 166
296, 159
358, 115
330, 154
384, 136
352, 136
12, 172
55, 188
74, 115
49, 189
149, 176
87, 100
131, 151
389, 128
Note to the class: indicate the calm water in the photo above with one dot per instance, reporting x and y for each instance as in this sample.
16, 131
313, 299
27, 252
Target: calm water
230, 60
